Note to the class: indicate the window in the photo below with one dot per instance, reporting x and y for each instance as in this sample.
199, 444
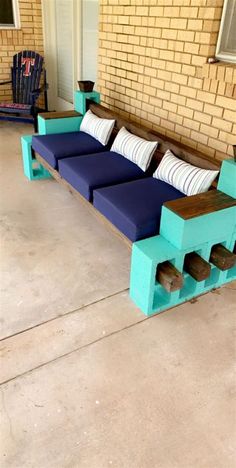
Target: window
9, 14
226, 45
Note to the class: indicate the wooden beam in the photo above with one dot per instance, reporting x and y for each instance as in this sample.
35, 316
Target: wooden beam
201, 204
222, 258
196, 266
169, 277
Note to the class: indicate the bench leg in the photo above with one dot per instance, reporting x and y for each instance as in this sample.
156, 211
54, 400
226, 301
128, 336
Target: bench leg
32, 169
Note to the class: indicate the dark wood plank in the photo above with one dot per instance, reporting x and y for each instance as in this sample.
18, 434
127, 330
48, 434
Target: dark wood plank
201, 204
222, 258
169, 277
59, 115
196, 266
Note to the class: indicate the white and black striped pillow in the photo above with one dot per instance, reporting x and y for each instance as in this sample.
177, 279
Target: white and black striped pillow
184, 177
134, 148
100, 129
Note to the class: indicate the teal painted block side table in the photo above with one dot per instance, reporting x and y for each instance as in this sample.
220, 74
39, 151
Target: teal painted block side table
200, 225
59, 122
33, 170
80, 99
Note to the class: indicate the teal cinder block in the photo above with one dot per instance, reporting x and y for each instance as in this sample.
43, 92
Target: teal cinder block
191, 236
64, 125
81, 97
227, 179
186, 233
144, 290
32, 169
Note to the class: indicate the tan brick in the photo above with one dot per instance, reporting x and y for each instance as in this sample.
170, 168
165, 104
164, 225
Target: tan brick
191, 124
222, 124
199, 137
209, 130
172, 12
188, 70
169, 33
201, 117
213, 110
194, 104
206, 150
179, 78
185, 112
218, 145
229, 115
186, 36
170, 106
156, 11
225, 102
178, 99
176, 118
191, 48
205, 97
172, 87
178, 23
195, 25
189, 12
227, 137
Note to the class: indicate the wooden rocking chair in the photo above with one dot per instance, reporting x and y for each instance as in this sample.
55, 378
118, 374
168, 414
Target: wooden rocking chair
26, 73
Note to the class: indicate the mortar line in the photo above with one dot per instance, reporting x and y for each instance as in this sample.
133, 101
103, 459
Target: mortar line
79, 309
77, 349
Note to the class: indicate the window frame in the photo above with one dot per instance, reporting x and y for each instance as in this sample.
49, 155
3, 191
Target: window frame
223, 56
16, 17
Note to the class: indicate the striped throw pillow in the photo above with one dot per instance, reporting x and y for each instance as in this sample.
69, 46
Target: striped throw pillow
184, 177
98, 128
134, 148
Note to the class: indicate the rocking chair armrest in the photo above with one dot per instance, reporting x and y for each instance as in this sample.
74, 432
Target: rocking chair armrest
5, 82
39, 90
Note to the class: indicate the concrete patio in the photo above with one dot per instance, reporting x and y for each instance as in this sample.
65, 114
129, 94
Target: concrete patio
87, 381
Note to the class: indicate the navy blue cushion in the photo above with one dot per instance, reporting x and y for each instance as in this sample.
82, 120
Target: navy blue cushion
64, 145
135, 207
87, 173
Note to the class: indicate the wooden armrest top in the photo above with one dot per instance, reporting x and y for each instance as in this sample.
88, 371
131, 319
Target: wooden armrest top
201, 204
59, 115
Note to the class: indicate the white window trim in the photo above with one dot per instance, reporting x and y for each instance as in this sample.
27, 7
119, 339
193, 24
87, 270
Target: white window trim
225, 57
16, 16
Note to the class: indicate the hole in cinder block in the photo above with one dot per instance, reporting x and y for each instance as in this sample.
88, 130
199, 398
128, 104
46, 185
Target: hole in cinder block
213, 278
189, 287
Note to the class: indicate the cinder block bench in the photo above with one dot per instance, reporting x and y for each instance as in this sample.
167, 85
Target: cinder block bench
194, 251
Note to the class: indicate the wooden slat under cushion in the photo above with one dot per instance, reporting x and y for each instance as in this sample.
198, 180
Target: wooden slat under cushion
201, 204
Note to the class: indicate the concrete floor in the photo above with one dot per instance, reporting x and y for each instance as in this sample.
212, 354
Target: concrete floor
86, 380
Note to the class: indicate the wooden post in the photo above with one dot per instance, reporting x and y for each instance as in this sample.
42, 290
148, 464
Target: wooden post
222, 258
196, 266
169, 277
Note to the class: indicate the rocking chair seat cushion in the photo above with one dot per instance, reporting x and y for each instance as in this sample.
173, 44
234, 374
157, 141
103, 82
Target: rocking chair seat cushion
15, 107
65, 145
135, 207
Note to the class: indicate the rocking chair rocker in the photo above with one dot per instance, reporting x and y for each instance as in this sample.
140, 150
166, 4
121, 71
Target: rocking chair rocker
25, 79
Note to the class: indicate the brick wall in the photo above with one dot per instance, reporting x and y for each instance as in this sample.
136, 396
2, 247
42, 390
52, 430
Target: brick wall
152, 69
29, 36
